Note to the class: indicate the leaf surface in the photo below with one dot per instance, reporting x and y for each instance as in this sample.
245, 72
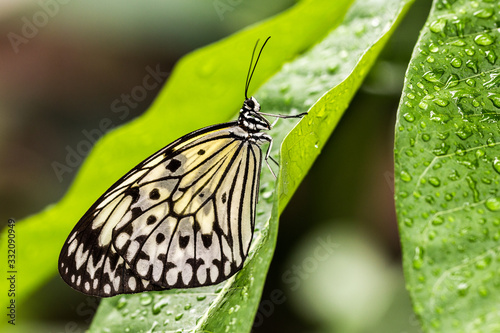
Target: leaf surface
447, 169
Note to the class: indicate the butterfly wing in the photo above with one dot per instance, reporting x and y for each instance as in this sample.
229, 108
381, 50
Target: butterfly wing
182, 218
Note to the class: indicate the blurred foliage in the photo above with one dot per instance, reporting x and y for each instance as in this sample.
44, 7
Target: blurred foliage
447, 167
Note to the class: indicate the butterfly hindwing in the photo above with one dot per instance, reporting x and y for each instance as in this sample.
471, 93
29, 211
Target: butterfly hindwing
182, 218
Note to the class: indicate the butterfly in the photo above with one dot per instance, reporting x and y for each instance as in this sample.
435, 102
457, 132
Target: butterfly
182, 218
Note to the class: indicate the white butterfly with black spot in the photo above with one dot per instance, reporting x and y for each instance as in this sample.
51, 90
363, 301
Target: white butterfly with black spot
182, 218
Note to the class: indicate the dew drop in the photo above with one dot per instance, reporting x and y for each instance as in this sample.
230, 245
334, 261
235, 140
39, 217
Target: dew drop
438, 220
470, 52
418, 258
433, 48
495, 99
484, 13
121, 303
482, 291
434, 181
472, 65
146, 299
472, 185
457, 42
464, 132
267, 195
460, 28
153, 327
462, 289
484, 39
471, 82
409, 117
491, 56
483, 263
441, 102
333, 69
453, 81
456, 62
438, 25
440, 118
496, 164
179, 316
486, 180
423, 105
493, 204
432, 76
201, 298
454, 175
441, 149
405, 176
159, 305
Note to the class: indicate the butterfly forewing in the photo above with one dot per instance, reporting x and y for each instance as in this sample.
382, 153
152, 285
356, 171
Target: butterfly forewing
182, 218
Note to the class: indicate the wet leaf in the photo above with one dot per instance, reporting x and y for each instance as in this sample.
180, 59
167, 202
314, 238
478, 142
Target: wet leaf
447, 185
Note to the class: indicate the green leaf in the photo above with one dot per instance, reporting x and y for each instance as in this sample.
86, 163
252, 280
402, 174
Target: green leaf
447, 169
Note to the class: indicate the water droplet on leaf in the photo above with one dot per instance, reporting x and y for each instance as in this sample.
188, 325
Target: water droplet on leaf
405, 176
456, 62
493, 204
438, 25
484, 39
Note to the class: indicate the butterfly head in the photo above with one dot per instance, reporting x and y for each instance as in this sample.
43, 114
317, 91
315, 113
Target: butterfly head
250, 105
250, 119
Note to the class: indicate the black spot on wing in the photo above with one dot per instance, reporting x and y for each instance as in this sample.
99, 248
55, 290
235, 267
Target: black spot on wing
173, 165
207, 240
183, 241
224, 197
201, 152
151, 219
154, 194
160, 238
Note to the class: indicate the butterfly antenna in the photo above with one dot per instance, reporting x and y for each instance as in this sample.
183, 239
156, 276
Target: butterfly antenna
247, 82
250, 70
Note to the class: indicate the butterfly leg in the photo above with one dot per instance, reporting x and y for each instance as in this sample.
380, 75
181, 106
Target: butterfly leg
263, 137
285, 116
279, 116
275, 121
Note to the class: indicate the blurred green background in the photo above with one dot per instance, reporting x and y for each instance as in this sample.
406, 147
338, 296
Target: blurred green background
59, 83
